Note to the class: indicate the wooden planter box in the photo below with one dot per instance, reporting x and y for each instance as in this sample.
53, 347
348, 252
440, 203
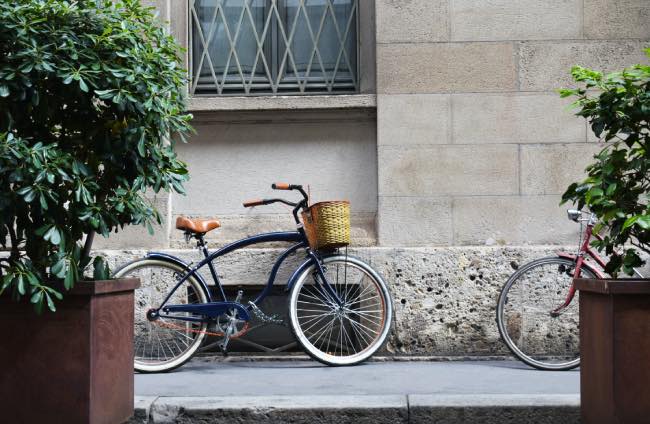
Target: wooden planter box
71, 366
614, 350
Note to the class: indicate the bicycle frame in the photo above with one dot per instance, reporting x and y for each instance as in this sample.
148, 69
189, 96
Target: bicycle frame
213, 307
585, 249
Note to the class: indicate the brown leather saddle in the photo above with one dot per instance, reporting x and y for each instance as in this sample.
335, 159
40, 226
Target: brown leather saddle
196, 226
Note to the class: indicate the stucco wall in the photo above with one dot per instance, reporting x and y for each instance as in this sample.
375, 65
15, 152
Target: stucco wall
235, 156
474, 144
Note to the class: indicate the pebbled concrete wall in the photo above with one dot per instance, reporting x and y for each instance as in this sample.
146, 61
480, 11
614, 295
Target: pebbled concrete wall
444, 298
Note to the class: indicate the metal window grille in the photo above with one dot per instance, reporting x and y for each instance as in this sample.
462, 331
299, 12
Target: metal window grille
256, 47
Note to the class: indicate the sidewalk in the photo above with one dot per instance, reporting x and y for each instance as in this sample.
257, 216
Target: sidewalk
220, 391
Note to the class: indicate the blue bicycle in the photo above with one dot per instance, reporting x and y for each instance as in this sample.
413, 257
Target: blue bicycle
340, 309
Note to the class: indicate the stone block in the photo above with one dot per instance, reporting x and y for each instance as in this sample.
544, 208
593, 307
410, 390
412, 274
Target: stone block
547, 65
179, 26
412, 21
617, 19
445, 67
160, 5
367, 47
493, 20
404, 119
550, 168
514, 118
414, 221
448, 170
512, 220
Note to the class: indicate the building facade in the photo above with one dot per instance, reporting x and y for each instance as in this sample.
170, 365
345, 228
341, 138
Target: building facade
438, 119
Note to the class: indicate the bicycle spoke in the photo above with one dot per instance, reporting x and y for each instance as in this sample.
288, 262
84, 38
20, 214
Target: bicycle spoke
525, 320
345, 332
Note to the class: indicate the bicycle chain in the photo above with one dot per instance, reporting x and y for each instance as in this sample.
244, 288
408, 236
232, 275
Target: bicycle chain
266, 319
237, 335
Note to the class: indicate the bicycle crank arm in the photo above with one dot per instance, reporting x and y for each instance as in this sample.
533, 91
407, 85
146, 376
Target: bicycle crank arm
212, 309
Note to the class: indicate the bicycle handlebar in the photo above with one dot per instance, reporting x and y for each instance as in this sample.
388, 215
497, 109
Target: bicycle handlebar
284, 186
259, 202
303, 204
256, 202
287, 186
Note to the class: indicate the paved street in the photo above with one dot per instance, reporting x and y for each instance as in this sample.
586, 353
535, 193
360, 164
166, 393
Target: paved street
200, 378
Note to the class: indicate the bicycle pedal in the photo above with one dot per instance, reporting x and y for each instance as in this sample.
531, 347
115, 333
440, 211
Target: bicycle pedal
223, 348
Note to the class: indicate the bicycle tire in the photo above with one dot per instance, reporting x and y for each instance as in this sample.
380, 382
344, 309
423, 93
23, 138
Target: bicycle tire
368, 321
151, 292
508, 330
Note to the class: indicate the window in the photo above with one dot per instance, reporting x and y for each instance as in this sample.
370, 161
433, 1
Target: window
256, 47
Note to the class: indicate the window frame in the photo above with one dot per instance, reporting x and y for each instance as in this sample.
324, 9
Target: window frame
276, 87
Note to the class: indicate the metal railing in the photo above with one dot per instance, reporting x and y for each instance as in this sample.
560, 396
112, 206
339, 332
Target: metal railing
258, 47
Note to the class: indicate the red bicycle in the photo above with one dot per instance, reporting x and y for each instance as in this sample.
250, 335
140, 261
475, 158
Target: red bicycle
537, 311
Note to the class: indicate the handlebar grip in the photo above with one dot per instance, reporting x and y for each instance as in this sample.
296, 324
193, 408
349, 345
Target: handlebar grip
281, 186
251, 203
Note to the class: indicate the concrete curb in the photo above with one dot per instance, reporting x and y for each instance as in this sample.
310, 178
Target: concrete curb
360, 409
494, 408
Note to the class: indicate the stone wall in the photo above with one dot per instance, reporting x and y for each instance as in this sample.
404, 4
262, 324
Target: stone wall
474, 144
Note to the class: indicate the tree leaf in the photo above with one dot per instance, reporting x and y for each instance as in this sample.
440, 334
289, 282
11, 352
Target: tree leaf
59, 268
644, 222
82, 85
37, 297
630, 221
20, 284
69, 280
50, 303
100, 269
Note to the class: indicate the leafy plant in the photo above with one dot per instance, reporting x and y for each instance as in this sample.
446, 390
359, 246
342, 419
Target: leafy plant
617, 188
91, 93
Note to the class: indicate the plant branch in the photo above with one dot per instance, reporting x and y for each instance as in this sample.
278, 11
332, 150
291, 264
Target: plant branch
85, 254
15, 252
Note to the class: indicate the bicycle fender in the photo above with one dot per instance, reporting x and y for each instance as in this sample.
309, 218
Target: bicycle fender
585, 264
303, 266
177, 261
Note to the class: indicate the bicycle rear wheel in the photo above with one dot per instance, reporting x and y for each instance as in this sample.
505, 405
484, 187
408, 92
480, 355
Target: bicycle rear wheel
347, 334
524, 316
163, 344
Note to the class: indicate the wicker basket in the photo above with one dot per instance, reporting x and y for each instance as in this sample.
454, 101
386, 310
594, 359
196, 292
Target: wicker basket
327, 224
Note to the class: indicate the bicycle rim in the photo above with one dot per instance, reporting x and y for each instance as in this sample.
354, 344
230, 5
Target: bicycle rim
524, 314
344, 335
163, 344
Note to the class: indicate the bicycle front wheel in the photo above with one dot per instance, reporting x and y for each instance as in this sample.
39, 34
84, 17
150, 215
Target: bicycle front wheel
525, 320
163, 344
346, 334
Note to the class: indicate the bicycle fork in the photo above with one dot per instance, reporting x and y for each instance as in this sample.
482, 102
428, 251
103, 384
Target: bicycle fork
572, 289
320, 275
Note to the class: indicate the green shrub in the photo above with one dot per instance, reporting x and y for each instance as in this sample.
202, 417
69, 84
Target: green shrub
90, 94
617, 188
